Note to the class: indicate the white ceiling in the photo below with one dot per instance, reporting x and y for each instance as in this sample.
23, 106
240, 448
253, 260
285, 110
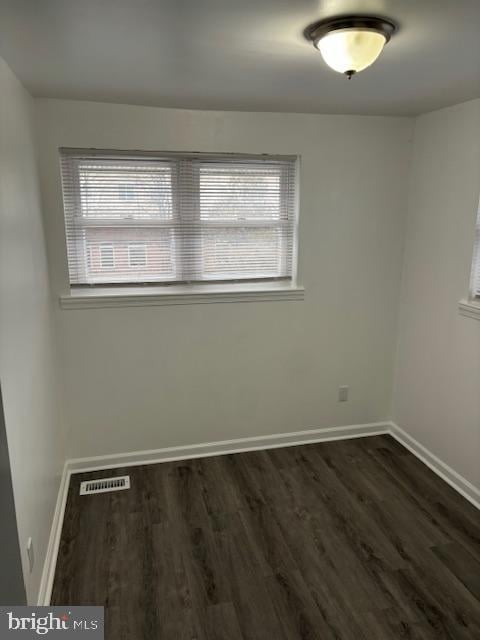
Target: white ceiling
239, 54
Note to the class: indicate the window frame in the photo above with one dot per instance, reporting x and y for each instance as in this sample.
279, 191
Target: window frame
475, 269
470, 306
270, 284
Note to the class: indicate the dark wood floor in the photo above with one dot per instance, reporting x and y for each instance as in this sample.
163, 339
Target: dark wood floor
350, 540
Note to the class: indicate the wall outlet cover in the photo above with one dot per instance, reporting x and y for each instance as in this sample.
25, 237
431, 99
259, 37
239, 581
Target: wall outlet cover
343, 393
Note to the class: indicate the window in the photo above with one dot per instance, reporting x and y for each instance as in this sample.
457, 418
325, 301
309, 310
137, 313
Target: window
137, 255
475, 284
107, 260
126, 191
173, 218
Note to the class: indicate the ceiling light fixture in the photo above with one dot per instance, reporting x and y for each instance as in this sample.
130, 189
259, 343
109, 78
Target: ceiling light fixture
350, 44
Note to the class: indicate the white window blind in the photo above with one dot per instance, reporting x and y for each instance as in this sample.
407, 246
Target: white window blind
171, 218
476, 261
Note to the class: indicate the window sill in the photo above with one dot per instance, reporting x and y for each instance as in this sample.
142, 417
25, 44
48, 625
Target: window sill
106, 297
469, 308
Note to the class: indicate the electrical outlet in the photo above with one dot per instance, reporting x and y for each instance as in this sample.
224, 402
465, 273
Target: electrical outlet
343, 393
30, 554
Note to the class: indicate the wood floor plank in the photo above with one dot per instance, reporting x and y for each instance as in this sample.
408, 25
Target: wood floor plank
457, 521
254, 608
193, 532
348, 540
296, 608
463, 565
222, 622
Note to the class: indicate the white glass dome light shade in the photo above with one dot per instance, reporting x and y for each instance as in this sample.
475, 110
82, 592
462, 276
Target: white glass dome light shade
350, 43
351, 50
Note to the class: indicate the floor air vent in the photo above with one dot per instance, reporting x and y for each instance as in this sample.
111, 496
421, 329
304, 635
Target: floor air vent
104, 484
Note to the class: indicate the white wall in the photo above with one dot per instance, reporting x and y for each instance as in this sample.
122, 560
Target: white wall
27, 365
437, 388
141, 378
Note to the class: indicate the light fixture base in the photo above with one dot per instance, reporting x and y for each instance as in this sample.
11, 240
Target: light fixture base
317, 30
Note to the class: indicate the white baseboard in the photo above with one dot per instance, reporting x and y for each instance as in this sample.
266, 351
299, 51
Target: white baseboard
454, 479
224, 447
48, 573
311, 436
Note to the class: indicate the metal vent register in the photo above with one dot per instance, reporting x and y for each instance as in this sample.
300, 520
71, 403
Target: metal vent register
104, 484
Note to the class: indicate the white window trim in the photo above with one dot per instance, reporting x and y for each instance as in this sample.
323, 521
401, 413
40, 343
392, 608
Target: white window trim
470, 308
135, 296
